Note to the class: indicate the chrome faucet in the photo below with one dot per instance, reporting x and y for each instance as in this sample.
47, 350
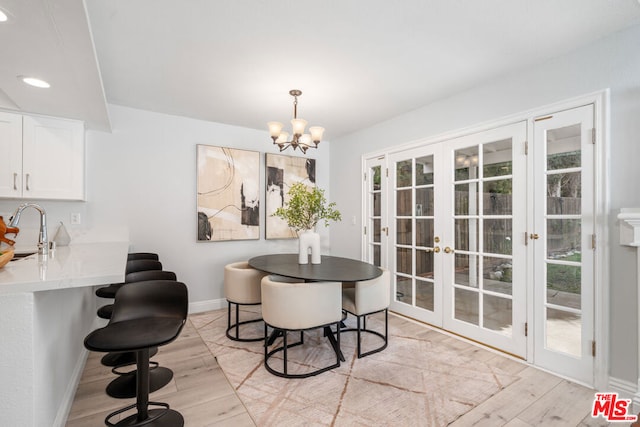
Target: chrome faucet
43, 239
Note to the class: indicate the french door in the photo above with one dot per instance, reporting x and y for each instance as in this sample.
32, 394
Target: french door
489, 236
563, 242
454, 209
375, 212
417, 232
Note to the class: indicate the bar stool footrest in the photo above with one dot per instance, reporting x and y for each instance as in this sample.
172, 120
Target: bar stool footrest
123, 358
124, 386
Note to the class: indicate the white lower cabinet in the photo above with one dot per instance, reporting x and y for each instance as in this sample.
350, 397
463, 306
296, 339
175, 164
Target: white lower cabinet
43, 157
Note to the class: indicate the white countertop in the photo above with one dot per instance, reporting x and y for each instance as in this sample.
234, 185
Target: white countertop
73, 266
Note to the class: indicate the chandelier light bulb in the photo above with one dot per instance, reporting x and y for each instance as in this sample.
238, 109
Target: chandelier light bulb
305, 140
282, 139
275, 128
298, 126
316, 133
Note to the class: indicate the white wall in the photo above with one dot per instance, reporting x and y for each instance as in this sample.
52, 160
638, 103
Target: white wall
143, 175
612, 63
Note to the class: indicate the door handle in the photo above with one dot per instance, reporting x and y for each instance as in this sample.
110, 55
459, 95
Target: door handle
534, 236
27, 185
436, 249
448, 250
15, 181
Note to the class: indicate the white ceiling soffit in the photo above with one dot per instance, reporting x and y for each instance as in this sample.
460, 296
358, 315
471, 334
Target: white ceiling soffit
357, 62
51, 40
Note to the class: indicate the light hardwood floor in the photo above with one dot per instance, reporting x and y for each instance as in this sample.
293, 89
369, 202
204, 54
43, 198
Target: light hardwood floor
201, 393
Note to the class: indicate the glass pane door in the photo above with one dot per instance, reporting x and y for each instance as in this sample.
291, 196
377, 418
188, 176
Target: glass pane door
374, 212
483, 260
564, 257
413, 235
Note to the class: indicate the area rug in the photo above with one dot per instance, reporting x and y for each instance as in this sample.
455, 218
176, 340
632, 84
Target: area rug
423, 378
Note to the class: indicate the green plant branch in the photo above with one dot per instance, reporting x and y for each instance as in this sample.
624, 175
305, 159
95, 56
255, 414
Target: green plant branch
306, 208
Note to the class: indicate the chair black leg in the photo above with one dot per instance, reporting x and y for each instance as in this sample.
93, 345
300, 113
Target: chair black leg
358, 334
142, 385
236, 326
237, 322
285, 352
334, 341
362, 328
339, 355
144, 416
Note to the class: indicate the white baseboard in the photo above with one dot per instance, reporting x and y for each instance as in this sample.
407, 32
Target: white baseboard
70, 393
626, 390
209, 305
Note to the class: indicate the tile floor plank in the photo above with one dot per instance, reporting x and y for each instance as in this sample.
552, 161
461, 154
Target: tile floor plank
564, 405
505, 406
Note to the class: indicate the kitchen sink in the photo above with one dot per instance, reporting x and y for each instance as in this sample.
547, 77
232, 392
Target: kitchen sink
18, 256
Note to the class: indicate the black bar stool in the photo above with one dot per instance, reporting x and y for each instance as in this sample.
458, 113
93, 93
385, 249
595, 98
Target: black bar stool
132, 266
146, 315
124, 386
109, 291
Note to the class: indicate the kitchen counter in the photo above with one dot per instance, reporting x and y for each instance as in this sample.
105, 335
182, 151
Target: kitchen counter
47, 307
65, 267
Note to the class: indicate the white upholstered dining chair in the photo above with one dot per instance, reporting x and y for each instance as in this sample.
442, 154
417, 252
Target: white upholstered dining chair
290, 305
241, 287
364, 298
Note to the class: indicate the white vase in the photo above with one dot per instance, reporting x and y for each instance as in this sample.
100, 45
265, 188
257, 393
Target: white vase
309, 240
62, 237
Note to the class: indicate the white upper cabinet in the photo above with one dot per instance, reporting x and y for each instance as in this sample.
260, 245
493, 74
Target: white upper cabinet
43, 157
10, 155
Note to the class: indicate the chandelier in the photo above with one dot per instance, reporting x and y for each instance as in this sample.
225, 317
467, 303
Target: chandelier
300, 140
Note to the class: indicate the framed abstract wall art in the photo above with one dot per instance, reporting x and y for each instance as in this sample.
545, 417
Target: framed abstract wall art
282, 172
228, 196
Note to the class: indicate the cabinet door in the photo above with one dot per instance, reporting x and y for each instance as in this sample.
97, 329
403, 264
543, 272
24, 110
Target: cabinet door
10, 155
53, 159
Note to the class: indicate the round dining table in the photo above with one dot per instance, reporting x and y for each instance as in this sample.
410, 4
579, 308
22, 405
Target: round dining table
330, 269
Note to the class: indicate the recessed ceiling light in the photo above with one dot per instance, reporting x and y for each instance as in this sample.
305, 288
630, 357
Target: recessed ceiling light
3, 16
32, 81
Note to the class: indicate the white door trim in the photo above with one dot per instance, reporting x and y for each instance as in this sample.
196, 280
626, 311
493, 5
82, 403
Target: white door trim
600, 99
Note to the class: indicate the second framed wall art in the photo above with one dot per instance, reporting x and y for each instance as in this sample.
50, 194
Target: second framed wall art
282, 172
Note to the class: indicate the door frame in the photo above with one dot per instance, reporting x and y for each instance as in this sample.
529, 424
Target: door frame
601, 314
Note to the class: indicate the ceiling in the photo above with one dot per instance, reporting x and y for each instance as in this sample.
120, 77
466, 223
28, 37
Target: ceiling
357, 62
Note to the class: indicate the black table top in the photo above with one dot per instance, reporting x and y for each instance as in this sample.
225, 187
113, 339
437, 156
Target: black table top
331, 268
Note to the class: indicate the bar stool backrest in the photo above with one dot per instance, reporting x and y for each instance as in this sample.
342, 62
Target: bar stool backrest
142, 276
153, 298
142, 255
142, 265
